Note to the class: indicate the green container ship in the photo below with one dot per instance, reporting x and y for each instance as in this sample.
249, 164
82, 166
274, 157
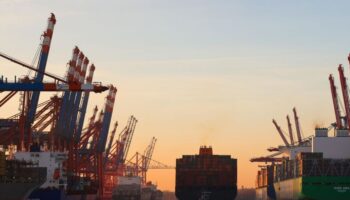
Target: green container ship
317, 170
314, 188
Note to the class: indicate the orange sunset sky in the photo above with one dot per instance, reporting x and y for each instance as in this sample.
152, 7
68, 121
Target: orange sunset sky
193, 72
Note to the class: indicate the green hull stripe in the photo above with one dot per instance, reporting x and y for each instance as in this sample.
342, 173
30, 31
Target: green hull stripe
314, 188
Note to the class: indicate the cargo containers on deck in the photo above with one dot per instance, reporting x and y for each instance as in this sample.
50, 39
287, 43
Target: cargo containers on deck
322, 174
206, 176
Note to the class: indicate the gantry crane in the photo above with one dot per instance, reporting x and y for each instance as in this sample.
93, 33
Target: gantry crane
335, 99
115, 156
83, 106
63, 116
146, 159
31, 88
297, 125
281, 133
290, 130
345, 89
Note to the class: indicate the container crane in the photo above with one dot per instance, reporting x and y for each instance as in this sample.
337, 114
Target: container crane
139, 164
281, 133
74, 98
51, 87
66, 102
297, 125
147, 157
129, 137
27, 84
345, 90
335, 99
30, 100
290, 130
103, 134
111, 139
108, 110
119, 149
45, 48
84, 139
83, 106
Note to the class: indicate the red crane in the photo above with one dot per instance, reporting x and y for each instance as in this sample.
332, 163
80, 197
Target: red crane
339, 124
58, 85
345, 90
290, 130
146, 159
297, 125
281, 133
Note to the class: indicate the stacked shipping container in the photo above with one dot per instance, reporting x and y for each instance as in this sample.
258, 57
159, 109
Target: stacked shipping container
212, 175
305, 164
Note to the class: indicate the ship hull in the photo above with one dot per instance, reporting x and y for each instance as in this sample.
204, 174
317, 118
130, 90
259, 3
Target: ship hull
81, 196
47, 193
16, 191
57, 194
206, 193
126, 197
261, 193
312, 188
308, 188
19, 179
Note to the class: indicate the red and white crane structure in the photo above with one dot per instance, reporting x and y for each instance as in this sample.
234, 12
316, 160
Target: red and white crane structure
89, 158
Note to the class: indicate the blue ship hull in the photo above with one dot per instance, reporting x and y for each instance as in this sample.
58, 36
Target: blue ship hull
47, 194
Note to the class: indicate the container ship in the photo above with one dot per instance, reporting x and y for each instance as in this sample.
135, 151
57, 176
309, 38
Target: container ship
317, 167
319, 171
38, 175
19, 178
206, 176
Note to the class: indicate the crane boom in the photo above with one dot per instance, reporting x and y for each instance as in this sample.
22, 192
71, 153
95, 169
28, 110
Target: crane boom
55, 77
76, 104
335, 99
345, 90
52, 87
130, 136
281, 133
108, 110
65, 114
111, 139
290, 130
297, 125
148, 154
83, 106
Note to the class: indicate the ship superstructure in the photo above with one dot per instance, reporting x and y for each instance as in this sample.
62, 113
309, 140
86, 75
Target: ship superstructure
149, 191
128, 188
56, 175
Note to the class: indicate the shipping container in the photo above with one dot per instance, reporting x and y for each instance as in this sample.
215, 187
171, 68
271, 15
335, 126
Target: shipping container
214, 176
